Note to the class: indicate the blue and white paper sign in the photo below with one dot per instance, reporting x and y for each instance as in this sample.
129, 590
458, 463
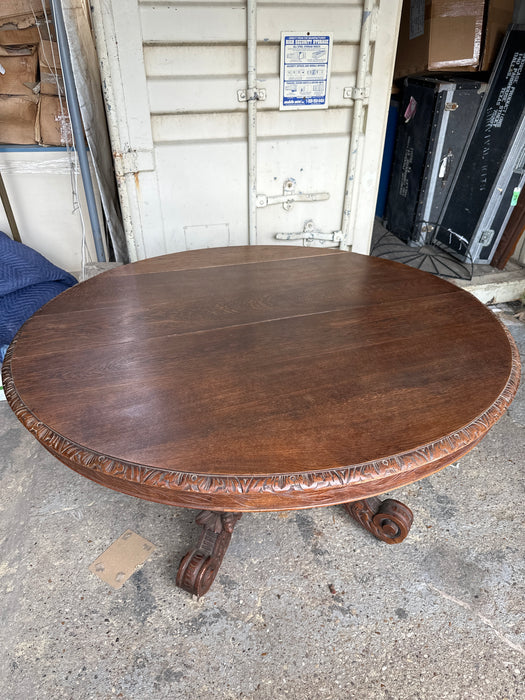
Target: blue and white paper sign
305, 70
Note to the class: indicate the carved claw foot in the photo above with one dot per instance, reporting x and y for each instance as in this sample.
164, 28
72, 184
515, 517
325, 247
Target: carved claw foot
199, 566
389, 520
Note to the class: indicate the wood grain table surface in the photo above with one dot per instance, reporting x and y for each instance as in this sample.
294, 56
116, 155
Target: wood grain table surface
260, 378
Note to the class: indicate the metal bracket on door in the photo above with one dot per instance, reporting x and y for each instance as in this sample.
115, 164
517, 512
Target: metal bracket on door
355, 93
313, 237
290, 196
133, 161
245, 95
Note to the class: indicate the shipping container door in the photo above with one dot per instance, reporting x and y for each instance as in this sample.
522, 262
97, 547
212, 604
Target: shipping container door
190, 76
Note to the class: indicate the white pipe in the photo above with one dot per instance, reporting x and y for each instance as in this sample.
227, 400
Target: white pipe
251, 18
357, 118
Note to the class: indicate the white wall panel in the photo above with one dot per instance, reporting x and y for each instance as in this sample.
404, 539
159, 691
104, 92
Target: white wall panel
38, 183
242, 3
226, 125
168, 60
226, 23
215, 174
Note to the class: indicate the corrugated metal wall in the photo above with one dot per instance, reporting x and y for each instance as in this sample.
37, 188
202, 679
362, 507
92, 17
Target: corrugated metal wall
194, 62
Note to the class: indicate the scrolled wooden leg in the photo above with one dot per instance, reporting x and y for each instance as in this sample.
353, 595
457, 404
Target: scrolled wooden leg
200, 565
389, 520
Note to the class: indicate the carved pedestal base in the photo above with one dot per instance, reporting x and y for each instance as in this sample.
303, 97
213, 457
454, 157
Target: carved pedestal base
389, 520
199, 566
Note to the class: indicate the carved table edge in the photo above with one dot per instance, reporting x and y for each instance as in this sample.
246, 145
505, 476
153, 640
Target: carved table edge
77, 456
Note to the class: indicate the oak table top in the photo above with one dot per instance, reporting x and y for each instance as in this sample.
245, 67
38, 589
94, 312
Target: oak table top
260, 378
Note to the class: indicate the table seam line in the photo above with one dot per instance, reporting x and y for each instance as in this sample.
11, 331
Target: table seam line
246, 324
235, 264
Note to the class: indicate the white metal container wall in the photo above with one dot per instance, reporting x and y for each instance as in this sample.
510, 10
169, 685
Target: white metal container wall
172, 71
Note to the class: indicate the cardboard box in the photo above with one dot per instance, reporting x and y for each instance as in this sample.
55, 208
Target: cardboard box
18, 73
447, 35
53, 127
51, 80
52, 83
49, 55
18, 119
20, 50
20, 14
19, 37
499, 16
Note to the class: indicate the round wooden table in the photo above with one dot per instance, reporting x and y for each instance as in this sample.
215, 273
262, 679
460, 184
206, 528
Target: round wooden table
261, 378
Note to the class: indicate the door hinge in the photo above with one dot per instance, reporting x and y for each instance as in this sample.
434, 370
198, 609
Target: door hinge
312, 236
290, 196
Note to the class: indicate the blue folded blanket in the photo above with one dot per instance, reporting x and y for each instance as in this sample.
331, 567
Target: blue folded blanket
27, 282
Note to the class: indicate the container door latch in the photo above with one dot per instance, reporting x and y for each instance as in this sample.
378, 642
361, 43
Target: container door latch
290, 196
312, 236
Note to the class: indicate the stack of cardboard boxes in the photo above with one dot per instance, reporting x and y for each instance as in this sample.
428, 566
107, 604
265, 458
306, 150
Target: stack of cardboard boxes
33, 108
450, 35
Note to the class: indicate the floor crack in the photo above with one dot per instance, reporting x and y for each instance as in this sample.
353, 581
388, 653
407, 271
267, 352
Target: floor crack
484, 619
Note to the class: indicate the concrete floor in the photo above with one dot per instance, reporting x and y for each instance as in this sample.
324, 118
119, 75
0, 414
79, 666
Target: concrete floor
439, 616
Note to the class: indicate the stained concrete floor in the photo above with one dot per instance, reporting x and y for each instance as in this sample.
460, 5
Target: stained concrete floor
439, 616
